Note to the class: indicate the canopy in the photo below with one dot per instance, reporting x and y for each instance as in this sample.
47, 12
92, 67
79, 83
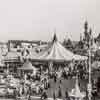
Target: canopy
56, 52
27, 66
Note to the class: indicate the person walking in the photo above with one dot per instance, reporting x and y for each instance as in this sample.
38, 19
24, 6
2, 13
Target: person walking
54, 96
67, 95
55, 78
59, 92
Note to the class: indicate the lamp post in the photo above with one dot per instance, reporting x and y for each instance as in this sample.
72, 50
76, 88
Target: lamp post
90, 83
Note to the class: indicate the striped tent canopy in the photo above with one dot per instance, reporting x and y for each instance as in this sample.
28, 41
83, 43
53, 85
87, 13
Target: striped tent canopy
56, 52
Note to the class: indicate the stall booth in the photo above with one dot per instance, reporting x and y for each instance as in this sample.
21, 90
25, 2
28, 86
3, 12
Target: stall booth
27, 68
12, 61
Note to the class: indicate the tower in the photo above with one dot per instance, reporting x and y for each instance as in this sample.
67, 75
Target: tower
85, 28
86, 35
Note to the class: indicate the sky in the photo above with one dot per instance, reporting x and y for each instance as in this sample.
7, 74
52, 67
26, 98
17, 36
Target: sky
39, 19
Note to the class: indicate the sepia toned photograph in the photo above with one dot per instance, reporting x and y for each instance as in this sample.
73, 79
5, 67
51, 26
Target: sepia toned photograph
49, 50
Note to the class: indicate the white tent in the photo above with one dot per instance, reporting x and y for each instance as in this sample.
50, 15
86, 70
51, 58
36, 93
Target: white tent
76, 92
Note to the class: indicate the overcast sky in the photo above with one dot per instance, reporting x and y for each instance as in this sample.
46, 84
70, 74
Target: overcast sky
37, 19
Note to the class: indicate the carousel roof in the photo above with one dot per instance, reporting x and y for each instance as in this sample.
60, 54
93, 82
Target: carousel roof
56, 51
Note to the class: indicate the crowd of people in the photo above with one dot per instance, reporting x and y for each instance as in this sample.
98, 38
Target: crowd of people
44, 83
37, 85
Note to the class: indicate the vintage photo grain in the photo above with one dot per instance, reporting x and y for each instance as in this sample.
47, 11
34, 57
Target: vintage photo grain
49, 50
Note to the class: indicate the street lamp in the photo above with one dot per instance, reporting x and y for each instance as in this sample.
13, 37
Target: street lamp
90, 83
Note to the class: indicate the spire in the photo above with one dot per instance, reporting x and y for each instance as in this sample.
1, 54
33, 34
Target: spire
86, 30
86, 25
54, 37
